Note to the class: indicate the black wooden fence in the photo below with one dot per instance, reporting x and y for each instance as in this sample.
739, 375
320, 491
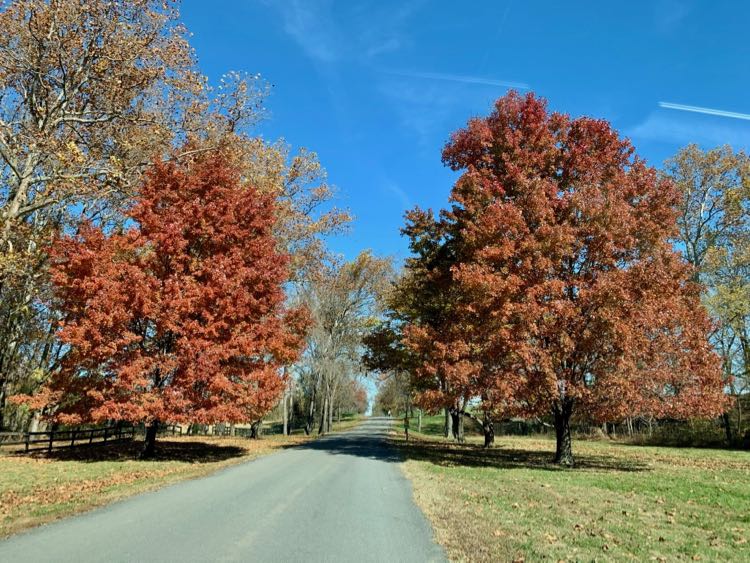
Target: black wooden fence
67, 438
70, 437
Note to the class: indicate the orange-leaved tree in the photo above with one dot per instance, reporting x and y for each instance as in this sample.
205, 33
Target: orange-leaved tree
456, 363
181, 316
566, 287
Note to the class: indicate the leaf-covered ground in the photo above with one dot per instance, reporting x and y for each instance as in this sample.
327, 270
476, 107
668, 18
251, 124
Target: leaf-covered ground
621, 503
39, 488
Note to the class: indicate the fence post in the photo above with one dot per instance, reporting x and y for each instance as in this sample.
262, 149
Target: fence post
91, 436
106, 431
27, 441
51, 437
73, 437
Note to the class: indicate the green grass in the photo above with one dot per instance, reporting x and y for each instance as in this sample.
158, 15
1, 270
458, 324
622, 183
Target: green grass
41, 487
620, 503
434, 425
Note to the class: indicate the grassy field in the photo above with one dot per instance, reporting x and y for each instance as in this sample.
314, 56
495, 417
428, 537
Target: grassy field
621, 503
39, 488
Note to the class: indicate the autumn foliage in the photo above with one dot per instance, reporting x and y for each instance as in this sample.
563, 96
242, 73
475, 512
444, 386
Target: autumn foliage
181, 316
562, 292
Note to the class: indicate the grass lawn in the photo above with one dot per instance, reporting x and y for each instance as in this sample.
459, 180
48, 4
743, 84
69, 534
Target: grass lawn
41, 487
620, 503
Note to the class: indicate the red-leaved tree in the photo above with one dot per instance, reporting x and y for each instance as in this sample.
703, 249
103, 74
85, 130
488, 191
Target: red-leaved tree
180, 317
447, 346
566, 292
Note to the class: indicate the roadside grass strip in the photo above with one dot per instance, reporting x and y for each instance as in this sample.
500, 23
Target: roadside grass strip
620, 503
45, 486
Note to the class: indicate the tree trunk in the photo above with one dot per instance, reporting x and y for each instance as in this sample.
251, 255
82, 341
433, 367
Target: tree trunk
446, 429
310, 414
291, 409
489, 431
739, 415
419, 420
256, 429
727, 423
563, 451
330, 412
149, 444
486, 424
457, 425
34, 423
285, 414
324, 415
2, 404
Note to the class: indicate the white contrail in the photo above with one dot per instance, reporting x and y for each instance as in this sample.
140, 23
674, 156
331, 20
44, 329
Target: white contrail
462, 78
707, 111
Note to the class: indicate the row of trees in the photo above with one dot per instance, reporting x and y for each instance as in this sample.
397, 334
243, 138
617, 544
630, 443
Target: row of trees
344, 301
554, 284
159, 262
148, 240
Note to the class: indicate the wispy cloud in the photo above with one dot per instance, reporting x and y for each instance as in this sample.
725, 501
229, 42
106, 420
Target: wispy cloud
423, 109
669, 14
330, 33
387, 46
671, 128
399, 193
463, 79
431, 104
706, 111
309, 24
496, 37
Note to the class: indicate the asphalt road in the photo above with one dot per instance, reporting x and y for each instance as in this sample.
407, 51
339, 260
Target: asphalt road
340, 498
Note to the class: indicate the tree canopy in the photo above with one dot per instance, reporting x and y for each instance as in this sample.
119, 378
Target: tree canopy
180, 316
565, 293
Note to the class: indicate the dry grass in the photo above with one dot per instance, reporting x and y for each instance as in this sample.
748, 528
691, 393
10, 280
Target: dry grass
621, 503
41, 487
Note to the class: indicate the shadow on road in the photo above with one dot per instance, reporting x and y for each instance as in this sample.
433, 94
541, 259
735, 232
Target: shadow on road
379, 438
368, 440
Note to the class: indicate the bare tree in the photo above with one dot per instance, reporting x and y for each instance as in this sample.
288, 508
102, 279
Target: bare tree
343, 300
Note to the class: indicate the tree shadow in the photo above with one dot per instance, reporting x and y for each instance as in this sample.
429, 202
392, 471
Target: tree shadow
712, 447
380, 440
166, 450
473, 455
355, 443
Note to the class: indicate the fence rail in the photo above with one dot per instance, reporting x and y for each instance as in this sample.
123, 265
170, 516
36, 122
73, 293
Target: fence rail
67, 438
35, 441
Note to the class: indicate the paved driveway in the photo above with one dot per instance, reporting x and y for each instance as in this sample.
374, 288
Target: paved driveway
340, 498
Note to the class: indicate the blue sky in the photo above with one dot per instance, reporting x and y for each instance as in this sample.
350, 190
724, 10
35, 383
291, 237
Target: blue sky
376, 87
